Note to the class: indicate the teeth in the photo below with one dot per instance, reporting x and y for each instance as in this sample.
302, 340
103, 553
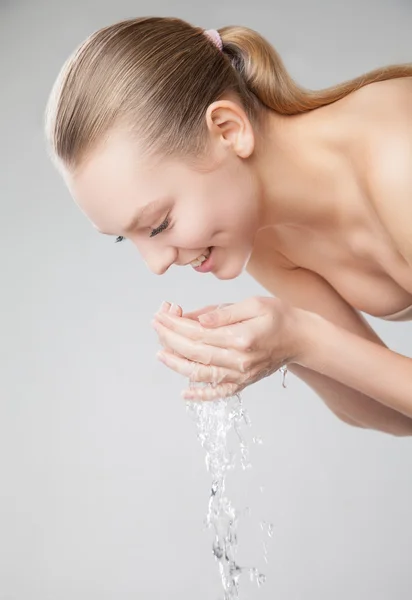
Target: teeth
200, 259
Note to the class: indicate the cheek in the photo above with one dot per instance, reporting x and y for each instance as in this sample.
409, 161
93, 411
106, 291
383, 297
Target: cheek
237, 203
193, 233
222, 213
237, 217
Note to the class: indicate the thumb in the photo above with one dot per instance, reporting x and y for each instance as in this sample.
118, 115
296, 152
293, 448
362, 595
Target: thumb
224, 314
194, 314
229, 314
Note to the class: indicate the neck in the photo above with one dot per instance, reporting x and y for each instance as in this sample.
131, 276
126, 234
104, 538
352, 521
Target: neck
301, 164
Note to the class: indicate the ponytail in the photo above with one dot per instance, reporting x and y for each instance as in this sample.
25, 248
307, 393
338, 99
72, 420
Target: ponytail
263, 71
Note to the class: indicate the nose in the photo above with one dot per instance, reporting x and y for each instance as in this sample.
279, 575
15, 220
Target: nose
158, 260
159, 264
158, 268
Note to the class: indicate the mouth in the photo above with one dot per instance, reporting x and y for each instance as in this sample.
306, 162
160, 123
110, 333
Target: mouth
203, 263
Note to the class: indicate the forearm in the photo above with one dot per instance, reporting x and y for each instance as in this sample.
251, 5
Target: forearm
371, 369
353, 407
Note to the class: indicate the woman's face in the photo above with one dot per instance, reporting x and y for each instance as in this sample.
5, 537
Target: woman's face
171, 212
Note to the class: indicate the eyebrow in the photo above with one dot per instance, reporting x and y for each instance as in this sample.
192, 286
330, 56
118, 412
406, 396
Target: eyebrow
134, 223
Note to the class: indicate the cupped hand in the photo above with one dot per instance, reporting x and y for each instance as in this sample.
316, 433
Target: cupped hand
230, 346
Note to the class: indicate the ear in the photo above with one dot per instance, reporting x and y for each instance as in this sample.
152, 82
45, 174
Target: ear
228, 121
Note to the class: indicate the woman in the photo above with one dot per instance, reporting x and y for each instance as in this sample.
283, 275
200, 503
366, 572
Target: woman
200, 149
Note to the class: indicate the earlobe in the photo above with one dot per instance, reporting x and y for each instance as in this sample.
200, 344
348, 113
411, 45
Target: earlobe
228, 121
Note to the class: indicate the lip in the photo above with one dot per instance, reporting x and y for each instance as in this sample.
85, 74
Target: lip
207, 265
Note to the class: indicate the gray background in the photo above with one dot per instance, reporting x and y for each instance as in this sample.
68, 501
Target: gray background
103, 483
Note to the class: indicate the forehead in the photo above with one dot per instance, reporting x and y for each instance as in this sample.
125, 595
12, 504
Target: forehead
111, 168
115, 181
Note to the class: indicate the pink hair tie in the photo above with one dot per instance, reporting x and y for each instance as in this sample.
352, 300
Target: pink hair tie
214, 36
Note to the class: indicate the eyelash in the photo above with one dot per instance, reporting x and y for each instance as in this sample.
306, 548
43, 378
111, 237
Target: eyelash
161, 227
154, 232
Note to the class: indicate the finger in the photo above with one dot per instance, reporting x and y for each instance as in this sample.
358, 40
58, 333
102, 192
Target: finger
193, 314
196, 371
222, 390
175, 309
194, 350
167, 307
234, 313
164, 307
220, 338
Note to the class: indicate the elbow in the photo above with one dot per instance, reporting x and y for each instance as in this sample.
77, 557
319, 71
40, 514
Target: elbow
405, 431
399, 425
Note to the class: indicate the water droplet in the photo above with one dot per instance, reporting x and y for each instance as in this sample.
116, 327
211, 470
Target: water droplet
217, 551
284, 370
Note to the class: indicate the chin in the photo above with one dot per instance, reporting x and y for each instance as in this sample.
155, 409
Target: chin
226, 276
231, 271
231, 262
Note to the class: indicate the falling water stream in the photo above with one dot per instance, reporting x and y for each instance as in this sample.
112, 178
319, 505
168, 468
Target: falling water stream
215, 422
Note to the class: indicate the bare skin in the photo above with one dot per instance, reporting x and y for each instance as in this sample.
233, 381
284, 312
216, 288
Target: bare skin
324, 226
340, 267
352, 251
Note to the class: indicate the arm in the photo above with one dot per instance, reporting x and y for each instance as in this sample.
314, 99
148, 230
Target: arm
370, 368
308, 291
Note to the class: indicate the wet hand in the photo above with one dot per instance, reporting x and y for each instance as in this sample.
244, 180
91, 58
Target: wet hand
229, 347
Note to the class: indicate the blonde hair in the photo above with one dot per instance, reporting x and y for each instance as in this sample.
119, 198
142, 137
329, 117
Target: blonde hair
157, 76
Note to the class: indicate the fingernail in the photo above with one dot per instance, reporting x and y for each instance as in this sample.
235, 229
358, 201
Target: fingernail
164, 306
188, 395
161, 355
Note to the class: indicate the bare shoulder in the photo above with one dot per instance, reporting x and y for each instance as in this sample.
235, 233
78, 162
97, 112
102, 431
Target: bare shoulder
386, 161
386, 143
379, 113
380, 118
391, 98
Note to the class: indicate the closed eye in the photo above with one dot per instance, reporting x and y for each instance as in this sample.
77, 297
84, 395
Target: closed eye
161, 227
156, 231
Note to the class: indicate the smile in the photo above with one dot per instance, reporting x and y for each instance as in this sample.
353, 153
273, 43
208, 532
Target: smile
200, 259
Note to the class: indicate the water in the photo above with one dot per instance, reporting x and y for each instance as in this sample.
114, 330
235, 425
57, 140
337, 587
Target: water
215, 421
